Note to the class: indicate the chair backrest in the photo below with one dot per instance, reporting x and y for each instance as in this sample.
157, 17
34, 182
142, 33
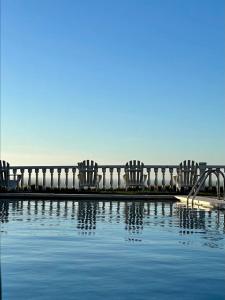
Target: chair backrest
134, 172
188, 172
4, 173
88, 173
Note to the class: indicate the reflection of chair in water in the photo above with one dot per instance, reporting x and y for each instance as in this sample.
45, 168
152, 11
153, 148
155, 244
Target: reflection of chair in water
134, 176
88, 175
5, 182
134, 214
86, 216
187, 175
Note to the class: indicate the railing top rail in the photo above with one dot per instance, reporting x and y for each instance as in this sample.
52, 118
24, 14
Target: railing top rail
101, 166
215, 166
76, 166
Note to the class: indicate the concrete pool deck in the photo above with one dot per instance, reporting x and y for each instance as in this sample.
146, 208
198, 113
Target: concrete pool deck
201, 201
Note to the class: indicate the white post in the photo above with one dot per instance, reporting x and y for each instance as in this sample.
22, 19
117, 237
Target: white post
22, 178
29, 177
149, 178
52, 178
156, 178
163, 178
210, 180
202, 168
66, 181
44, 178
74, 173
59, 177
171, 177
103, 180
37, 180
111, 178
118, 171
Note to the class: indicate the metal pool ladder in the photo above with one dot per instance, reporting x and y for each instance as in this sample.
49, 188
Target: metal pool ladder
201, 180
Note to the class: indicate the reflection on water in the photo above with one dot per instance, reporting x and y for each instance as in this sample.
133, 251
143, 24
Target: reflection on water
135, 216
132, 249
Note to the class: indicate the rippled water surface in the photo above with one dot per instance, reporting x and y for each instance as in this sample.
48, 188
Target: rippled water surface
111, 250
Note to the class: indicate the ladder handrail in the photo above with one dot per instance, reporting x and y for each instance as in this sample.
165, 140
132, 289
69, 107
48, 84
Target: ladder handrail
202, 180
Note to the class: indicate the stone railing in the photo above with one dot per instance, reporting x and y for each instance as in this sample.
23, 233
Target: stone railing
159, 177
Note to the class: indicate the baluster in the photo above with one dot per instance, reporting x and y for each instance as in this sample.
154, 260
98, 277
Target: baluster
66, 181
149, 178
156, 178
37, 179
14, 174
179, 177
52, 178
74, 173
218, 183
103, 179
29, 177
22, 178
171, 177
119, 171
14, 177
210, 180
163, 178
59, 178
111, 178
202, 168
44, 178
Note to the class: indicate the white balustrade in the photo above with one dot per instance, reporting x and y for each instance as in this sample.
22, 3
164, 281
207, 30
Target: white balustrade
162, 173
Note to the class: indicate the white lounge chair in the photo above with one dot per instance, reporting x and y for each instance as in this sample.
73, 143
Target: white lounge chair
7, 184
134, 174
187, 175
88, 175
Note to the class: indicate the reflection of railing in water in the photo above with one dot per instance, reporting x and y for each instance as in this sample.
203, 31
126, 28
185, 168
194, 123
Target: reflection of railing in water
191, 218
4, 210
135, 215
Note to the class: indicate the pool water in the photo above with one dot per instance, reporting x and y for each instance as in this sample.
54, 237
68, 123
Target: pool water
111, 250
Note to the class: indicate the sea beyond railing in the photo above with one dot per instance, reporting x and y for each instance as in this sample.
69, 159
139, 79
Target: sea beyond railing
64, 177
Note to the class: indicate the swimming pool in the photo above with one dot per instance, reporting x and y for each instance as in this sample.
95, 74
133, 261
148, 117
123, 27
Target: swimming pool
111, 250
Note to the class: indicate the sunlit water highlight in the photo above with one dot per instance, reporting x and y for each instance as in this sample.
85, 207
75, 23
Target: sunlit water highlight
111, 250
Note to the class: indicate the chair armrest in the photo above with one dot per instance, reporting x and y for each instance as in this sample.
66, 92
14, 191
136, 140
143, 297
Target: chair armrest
19, 176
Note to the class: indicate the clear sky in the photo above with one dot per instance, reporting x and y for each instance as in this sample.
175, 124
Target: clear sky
112, 80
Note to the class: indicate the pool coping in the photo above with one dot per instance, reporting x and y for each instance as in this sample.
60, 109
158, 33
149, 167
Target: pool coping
200, 201
108, 197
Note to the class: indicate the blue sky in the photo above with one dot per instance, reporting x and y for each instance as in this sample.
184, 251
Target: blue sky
112, 80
